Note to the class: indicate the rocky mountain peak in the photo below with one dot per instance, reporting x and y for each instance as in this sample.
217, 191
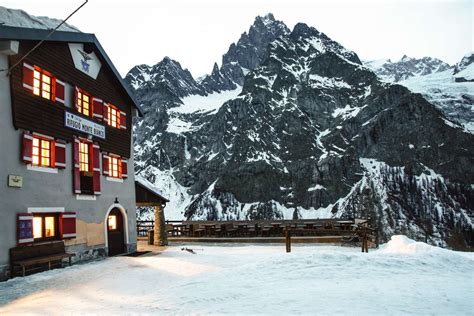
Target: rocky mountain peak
464, 70
407, 67
312, 133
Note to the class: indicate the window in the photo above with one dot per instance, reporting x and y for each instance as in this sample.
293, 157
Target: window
42, 82
42, 152
84, 161
113, 116
112, 222
45, 227
83, 103
115, 167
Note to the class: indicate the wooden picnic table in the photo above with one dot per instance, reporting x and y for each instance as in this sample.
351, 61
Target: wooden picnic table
209, 229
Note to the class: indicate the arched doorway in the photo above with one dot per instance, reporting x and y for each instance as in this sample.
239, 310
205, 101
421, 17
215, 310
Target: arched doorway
115, 232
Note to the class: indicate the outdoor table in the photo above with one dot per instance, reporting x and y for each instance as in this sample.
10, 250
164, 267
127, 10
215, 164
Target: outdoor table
179, 229
242, 228
209, 229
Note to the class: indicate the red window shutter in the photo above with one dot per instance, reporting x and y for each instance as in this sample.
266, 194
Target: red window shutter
106, 111
123, 120
98, 108
96, 164
67, 225
60, 154
28, 76
76, 90
76, 169
25, 228
59, 92
27, 152
124, 168
105, 164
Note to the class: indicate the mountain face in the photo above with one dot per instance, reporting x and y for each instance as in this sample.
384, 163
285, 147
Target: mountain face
308, 131
464, 70
20, 18
406, 68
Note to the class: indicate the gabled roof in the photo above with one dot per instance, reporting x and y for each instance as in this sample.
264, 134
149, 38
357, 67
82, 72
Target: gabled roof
150, 188
29, 34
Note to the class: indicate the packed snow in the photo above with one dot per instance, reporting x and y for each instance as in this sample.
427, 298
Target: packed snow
403, 277
210, 103
19, 18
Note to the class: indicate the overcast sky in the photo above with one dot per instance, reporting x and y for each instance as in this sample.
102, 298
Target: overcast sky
197, 33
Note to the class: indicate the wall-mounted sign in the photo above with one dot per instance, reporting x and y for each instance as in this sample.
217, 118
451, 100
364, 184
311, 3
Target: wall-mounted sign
15, 181
84, 125
87, 63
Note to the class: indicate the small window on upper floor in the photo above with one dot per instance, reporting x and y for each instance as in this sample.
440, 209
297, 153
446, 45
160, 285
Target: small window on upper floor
42, 152
42, 83
83, 103
115, 167
113, 116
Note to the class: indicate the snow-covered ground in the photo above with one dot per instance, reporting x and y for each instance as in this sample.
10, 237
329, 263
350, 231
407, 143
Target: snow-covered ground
403, 277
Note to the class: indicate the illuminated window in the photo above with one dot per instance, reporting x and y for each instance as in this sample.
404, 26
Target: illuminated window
112, 222
84, 163
83, 103
115, 167
45, 226
42, 83
42, 152
113, 116
37, 227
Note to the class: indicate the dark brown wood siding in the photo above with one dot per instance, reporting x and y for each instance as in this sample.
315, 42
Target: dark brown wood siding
34, 113
145, 197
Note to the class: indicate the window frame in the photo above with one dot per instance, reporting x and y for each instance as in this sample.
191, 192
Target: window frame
57, 235
87, 154
115, 110
80, 108
43, 73
118, 159
52, 149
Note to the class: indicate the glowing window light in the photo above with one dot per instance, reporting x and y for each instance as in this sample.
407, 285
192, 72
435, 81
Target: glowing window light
37, 227
112, 222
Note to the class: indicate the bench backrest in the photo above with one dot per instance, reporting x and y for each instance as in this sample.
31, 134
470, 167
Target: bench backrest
36, 250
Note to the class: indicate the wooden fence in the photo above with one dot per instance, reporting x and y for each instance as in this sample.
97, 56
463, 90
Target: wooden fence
356, 232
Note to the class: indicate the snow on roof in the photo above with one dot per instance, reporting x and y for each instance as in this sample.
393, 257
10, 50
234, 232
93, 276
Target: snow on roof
19, 18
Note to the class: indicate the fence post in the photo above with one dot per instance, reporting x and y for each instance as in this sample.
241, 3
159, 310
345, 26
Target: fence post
288, 239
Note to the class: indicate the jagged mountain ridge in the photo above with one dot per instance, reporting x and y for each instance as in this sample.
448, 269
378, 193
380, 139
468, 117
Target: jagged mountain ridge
406, 68
449, 88
293, 143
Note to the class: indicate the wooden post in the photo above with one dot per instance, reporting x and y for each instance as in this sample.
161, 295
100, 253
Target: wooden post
288, 239
159, 229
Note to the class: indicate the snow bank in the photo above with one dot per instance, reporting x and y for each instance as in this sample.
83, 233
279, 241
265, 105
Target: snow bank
253, 279
403, 244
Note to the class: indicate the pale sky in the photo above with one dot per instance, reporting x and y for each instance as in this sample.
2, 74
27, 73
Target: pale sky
197, 33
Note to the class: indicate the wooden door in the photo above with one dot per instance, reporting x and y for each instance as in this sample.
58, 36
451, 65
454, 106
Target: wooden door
115, 232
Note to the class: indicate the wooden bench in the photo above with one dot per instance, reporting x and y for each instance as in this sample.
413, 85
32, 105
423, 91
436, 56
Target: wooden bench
38, 256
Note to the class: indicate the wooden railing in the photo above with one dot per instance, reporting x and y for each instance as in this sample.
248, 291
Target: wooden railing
143, 227
353, 232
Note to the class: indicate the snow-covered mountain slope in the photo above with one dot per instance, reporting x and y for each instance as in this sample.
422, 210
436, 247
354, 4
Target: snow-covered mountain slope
19, 18
294, 142
464, 70
406, 68
454, 99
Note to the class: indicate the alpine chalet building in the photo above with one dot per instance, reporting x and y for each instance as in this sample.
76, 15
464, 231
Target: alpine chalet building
66, 146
